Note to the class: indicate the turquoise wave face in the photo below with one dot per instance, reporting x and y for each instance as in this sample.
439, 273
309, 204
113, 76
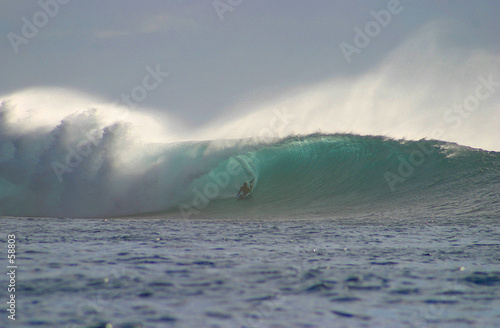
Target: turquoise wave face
326, 175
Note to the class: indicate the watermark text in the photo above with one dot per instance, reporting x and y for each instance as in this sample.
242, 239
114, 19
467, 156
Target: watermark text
11, 273
40, 19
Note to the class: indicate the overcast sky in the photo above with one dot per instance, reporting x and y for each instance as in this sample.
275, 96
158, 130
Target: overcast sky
217, 54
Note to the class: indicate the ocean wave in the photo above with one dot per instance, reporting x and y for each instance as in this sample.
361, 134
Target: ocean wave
89, 167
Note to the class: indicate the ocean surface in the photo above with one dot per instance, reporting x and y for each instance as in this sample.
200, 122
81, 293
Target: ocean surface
340, 230
378, 270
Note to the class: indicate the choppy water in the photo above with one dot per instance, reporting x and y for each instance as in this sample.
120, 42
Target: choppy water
322, 272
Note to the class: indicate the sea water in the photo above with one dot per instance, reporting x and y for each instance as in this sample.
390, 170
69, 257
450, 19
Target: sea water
324, 272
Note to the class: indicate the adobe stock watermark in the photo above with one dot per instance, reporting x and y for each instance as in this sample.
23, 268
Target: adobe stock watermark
75, 156
291, 276
89, 309
485, 88
31, 28
434, 309
11, 273
220, 180
262, 311
211, 190
277, 123
150, 82
223, 6
372, 29
407, 166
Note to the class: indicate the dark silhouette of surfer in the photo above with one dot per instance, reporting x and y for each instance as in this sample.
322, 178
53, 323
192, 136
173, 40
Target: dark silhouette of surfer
244, 190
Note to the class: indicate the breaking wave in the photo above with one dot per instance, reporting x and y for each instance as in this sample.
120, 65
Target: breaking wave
89, 166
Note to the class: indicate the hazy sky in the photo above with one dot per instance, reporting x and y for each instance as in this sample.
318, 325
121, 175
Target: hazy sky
217, 53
